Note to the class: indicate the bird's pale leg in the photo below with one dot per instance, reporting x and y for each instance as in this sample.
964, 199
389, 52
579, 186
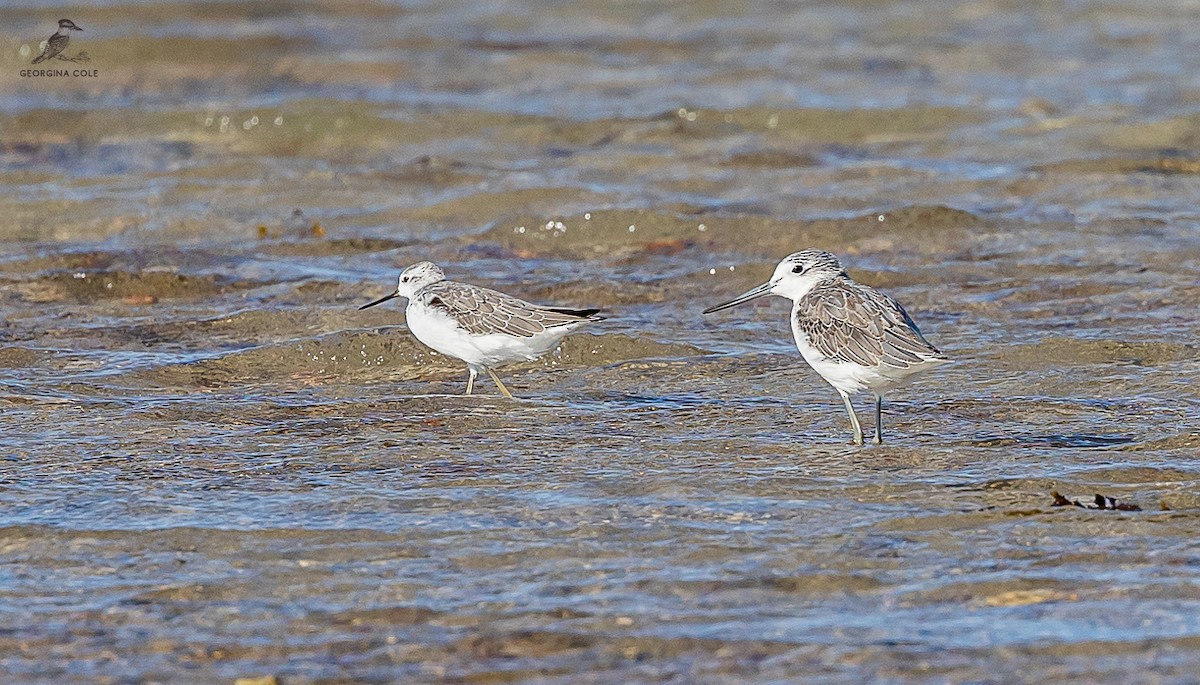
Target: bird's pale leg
879, 419
498, 383
472, 373
858, 434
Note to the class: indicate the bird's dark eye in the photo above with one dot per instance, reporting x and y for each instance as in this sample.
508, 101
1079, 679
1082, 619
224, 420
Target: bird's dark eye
799, 268
405, 279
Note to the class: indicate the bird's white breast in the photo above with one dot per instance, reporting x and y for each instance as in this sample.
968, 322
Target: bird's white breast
442, 333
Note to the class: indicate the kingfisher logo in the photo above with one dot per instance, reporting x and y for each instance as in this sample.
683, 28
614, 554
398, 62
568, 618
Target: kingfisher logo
54, 50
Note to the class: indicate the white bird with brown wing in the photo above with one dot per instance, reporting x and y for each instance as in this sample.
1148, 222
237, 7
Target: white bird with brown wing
852, 335
480, 326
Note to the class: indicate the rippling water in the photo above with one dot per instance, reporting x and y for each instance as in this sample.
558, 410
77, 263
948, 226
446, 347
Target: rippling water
216, 468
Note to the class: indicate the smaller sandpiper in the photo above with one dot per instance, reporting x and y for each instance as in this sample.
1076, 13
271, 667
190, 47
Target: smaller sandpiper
854, 336
480, 326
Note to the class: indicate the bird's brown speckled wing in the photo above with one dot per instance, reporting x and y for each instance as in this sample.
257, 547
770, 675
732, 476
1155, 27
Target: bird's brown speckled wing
481, 311
54, 46
853, 323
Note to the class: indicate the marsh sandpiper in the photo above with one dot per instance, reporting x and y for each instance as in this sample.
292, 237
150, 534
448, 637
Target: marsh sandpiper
482, 327
852, 335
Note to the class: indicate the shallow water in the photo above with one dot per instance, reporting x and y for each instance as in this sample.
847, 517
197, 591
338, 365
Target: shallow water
217, 468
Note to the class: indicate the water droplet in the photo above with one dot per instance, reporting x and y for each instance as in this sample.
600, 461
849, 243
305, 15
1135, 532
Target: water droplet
712, 272
702, 228
773, 122
279, 121
881, 217
632, 228
587, 216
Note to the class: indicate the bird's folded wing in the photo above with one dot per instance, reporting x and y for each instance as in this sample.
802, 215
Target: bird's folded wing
54, 45
481, 311
850, 323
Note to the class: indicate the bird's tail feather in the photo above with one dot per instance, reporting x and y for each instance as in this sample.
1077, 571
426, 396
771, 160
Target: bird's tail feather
581, 313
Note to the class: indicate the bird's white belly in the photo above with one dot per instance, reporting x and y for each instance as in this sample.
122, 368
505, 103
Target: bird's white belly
847, 377
442, 333
852, 378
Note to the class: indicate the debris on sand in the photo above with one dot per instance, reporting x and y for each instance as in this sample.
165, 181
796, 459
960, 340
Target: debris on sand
1100, 502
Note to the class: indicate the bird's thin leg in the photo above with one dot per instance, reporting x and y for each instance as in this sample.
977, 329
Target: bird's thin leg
858, 435
879, 419
471, 374
498, 383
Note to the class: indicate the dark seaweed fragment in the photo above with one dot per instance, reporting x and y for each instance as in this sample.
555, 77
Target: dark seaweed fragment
1099, 502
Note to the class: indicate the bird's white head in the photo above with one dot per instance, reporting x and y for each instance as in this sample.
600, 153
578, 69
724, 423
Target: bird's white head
793, 278
411, 280
800, 271
418, 276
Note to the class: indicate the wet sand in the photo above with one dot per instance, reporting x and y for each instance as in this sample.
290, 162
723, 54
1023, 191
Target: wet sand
217, 468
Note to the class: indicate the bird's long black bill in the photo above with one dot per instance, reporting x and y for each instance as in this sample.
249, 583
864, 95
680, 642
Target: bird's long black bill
764, 289
379, 301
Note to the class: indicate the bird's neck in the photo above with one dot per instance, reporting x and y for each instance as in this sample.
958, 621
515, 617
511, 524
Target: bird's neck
415, 289
795, 289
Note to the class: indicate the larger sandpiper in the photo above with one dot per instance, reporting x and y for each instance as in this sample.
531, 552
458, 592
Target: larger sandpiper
480, 326
852, 335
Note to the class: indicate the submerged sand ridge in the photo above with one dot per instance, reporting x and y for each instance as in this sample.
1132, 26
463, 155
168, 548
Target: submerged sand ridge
388, 355
610, 233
